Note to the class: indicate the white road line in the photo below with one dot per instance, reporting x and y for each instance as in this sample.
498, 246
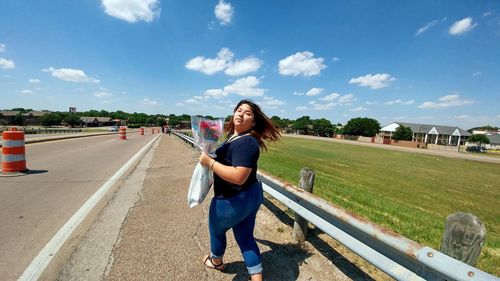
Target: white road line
40, 262
111, 140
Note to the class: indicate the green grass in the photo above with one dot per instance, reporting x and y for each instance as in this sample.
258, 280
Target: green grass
409, 193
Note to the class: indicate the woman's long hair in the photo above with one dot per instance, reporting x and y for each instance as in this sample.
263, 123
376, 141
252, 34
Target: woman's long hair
263, 130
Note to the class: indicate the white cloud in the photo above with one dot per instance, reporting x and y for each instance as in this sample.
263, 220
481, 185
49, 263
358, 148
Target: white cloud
335, 99
357, 109
322, 106
314, 92
346, 99
370, 102
398, 101
26, 92
377, 81
462, 26
147, 101
224, 12
71, 75
487, 14
476, 73
211, 66
133, 10
35, 81
246, 87
3, 47
6, 64
196, 100
103, 94
330, 97
463, 116
298, 94
224, 61
301, 108
446, 101
426, 26
271, 103
301, 63
216, 93
335, 59
242, 67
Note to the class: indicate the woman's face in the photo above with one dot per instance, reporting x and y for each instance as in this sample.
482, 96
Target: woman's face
243, 118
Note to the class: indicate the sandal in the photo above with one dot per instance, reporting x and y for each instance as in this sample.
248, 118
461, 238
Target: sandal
212, 265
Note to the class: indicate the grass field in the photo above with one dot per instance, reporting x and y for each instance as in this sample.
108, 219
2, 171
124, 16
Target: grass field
409, 193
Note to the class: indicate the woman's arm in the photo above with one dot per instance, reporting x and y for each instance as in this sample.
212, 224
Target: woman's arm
236, 175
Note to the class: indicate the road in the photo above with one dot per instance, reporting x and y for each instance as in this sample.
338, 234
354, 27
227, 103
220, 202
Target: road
65, 173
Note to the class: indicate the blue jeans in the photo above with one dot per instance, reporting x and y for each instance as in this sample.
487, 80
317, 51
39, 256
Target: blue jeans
237, 212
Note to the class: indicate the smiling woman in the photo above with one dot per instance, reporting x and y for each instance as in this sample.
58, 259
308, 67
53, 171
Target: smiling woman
238, 194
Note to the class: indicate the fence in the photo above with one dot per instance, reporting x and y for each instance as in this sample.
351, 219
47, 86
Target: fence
399, 257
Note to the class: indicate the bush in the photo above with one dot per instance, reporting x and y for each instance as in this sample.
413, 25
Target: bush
135, 125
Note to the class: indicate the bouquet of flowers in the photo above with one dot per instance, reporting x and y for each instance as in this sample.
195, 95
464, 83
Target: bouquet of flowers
207, 134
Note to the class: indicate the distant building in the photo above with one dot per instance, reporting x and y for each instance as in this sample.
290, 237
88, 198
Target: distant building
96, 121
494, 141
30, 118
72, 109
431, 134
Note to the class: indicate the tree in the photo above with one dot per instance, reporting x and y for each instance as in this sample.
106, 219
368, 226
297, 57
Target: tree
72, 119
403, 133
51, 119
483, 128
322, 127
19, 120
173, 120
277, 121
479, 140
358, 126
301, 125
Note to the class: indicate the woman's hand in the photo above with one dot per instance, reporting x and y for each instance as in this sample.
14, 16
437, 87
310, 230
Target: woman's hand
206, 160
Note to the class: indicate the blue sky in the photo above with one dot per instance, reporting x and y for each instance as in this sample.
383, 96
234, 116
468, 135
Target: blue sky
434, 62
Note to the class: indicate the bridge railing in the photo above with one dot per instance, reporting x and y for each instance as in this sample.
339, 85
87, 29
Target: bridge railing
397, 256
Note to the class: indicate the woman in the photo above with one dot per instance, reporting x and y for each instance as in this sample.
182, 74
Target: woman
237, 192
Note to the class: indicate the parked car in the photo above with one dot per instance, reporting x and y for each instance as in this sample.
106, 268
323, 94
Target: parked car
476, 149
113, 129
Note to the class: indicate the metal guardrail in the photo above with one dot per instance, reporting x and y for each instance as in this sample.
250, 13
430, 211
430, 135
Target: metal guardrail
399, 257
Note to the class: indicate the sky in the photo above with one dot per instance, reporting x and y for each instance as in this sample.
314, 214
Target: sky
431, 62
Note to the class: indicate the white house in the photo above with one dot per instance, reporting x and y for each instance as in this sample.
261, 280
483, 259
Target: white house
432, 134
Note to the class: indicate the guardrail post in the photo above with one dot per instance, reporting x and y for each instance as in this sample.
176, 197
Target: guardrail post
306, 183
463, 237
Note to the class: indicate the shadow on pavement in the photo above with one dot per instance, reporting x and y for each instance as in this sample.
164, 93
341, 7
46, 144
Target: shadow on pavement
343, 264
280, 263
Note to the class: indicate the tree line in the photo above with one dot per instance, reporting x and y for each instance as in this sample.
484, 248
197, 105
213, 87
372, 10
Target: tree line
304, 125
359, 126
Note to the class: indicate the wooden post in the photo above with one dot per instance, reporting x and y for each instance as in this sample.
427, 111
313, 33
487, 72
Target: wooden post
463, 237
306, 183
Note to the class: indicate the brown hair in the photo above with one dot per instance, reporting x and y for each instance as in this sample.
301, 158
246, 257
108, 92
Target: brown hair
263, 130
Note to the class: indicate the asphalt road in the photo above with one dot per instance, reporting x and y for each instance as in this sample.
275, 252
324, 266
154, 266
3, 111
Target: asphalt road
65, 173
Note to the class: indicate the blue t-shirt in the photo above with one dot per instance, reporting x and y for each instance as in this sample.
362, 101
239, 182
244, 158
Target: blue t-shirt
242, 152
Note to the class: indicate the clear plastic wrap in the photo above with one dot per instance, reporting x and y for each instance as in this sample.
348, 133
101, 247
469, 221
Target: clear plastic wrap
207, 134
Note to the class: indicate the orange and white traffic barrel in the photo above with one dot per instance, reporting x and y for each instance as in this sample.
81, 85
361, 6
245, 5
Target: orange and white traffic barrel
123, 133
142, 131
13, 152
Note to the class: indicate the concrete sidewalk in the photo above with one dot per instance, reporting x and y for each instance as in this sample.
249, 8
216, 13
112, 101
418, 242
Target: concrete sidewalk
160, 238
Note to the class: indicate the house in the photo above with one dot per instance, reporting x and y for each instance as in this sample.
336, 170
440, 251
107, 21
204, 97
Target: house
494, 141
431, 134
96, 121
8, 117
